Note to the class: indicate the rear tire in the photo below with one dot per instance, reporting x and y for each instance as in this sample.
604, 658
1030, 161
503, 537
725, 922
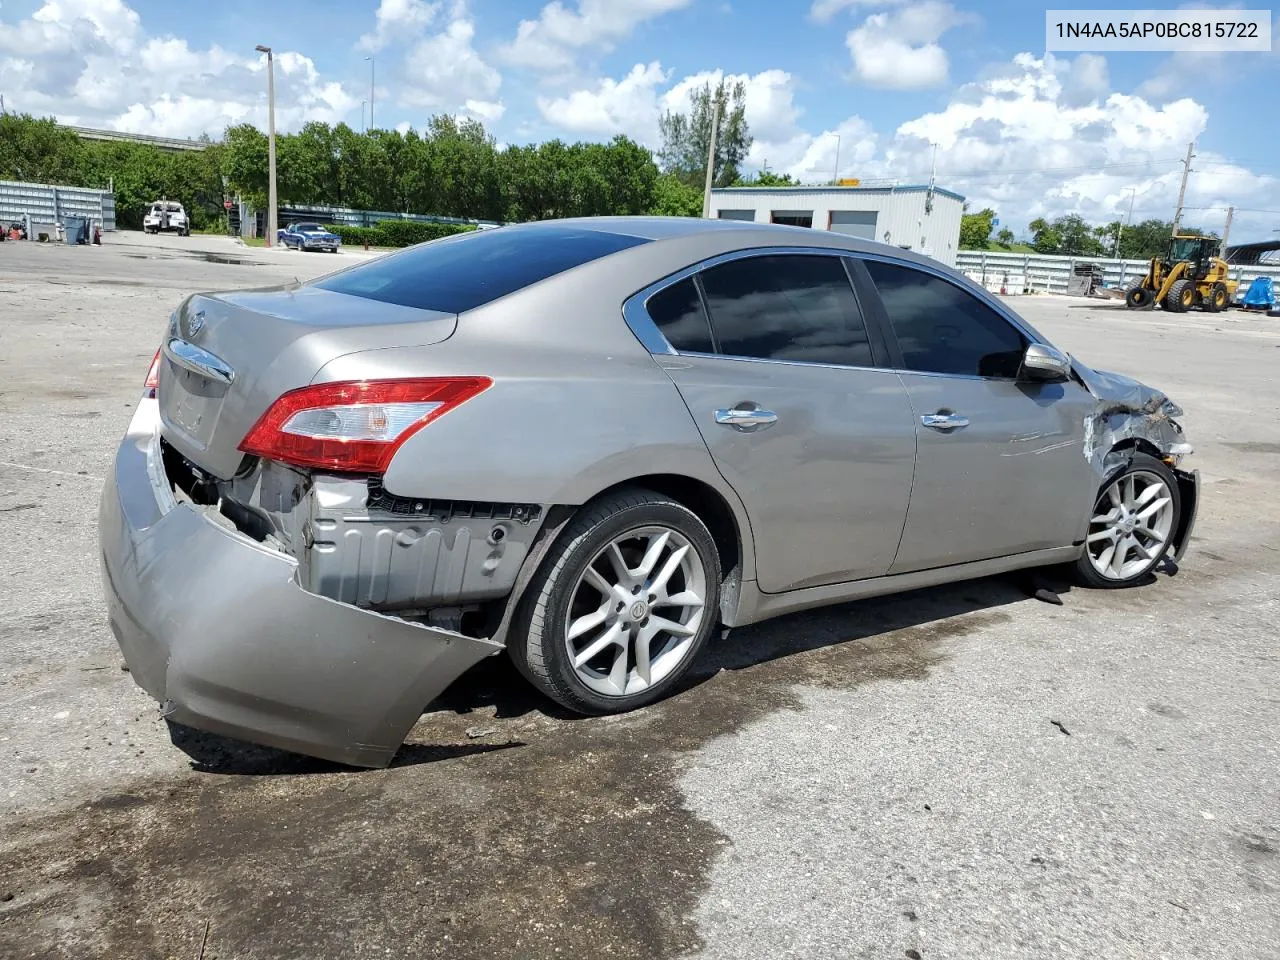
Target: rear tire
1131, 527
625, 600
1181, 296
1139, 298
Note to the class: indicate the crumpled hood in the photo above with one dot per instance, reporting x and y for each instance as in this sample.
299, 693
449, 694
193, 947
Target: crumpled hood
1128, 409
1117, 390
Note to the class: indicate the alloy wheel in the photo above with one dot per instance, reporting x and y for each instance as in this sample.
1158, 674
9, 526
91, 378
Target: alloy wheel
1131, 525
635, 611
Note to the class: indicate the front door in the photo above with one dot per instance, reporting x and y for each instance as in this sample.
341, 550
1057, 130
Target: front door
1001, 467
814, 436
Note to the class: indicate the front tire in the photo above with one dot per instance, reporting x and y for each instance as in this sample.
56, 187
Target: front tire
1132, 525
1181, 297
627, 597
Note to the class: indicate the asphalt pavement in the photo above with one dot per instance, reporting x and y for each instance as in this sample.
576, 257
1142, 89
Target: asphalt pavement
955, 773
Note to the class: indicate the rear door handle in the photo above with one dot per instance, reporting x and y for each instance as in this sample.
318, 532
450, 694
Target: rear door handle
944, 421
746, 419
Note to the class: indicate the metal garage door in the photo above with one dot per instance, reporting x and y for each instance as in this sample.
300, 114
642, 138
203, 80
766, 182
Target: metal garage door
737, 215
855, 223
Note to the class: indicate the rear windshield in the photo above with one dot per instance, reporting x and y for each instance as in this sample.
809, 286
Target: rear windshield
467, 271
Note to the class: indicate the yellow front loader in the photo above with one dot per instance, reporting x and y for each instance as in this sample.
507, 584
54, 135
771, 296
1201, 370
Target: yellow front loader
1191, 274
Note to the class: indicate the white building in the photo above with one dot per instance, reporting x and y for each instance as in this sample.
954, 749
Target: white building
911, 217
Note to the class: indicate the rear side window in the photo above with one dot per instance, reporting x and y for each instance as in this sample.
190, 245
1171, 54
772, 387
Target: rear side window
787, 307
467, 271
943, 329
678, 313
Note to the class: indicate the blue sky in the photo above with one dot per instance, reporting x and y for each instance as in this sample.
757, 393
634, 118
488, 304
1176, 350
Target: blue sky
1027, 132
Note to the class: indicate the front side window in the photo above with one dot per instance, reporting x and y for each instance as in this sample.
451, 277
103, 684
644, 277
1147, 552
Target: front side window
788, 307
943, 329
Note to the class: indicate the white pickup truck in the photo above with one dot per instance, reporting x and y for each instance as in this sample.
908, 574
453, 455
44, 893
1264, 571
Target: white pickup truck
168, 216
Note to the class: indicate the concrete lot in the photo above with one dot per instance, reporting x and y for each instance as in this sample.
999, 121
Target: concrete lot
956, 773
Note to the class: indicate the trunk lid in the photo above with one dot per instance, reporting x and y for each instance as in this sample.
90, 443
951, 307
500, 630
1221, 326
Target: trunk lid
226, 358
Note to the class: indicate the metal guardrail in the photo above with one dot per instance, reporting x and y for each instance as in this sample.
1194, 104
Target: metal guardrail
47, 204
1051, 274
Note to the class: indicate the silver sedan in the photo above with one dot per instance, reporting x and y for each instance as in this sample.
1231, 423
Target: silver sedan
590, 443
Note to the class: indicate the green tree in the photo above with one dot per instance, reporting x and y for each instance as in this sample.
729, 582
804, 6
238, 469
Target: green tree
672, 197
686, 137
39, 151
1044, 237
1076, 238
1005, 237
975, 229
767, 178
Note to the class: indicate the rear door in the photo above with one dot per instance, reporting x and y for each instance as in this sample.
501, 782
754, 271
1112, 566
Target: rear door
776, 365
1000, 465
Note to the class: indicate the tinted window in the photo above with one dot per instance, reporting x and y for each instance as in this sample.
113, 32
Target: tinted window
791, 307
678, 312
943, 329
463, 272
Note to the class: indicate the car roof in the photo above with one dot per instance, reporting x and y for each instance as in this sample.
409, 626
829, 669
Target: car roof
744, 234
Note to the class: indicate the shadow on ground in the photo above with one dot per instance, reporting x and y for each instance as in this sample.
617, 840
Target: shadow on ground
502, 830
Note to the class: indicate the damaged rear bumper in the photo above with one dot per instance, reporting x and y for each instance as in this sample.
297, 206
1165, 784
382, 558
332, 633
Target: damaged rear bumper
216, 627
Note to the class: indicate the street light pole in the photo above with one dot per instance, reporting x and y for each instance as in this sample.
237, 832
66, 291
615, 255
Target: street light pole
363, 104
373, 65
271, 146
836, 173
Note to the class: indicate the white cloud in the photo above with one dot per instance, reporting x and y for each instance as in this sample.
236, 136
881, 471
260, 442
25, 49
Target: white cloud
824, 10
551, 42
629, 105
396, 19
485, 111
92, 63
1024, 142
899, 49
444, 72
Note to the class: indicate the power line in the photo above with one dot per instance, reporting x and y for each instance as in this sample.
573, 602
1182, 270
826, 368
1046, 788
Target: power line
1090, 168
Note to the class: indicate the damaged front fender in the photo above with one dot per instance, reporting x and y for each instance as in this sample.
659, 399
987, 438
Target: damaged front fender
1131, 416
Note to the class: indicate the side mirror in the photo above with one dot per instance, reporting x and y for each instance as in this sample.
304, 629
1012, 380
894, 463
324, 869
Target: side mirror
1045, 364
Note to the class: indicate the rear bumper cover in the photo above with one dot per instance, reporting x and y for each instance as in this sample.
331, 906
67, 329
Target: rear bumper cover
216, 627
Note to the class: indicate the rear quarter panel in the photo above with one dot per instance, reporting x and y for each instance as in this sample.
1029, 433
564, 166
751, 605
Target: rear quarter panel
578, 404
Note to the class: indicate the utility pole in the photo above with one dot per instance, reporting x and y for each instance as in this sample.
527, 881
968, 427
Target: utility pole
933, 176
1115, 253
1226, 231
711, 159
1182, 190
373, 64
835, 178
271, 146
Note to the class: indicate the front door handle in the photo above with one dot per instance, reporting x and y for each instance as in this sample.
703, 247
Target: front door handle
944, 421
741, 418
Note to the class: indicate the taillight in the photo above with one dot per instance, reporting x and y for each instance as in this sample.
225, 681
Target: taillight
152, 382
357, 426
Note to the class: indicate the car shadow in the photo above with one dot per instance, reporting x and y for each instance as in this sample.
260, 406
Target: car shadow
495, 688
495, 684
214, 753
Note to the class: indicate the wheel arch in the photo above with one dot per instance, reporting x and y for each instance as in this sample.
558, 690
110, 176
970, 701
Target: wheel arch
725, 518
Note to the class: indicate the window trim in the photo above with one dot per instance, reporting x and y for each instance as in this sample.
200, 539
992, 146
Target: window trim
636, 313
